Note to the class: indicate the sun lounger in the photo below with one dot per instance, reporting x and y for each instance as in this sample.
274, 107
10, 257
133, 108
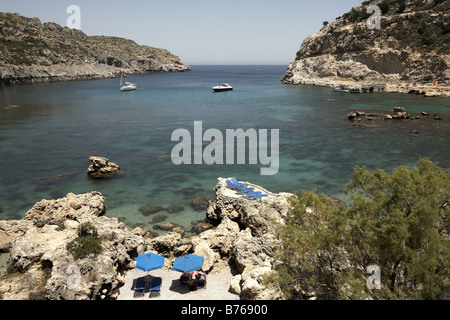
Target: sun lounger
257, 196
155, 286
252, 193
245, 191
236, 182
236, 187
140, 287
201, 284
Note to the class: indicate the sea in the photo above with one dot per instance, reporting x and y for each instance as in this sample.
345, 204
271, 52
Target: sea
48, 131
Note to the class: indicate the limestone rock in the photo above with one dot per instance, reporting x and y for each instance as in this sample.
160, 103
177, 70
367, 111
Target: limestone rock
166, 244
11, 230
220, 239
400, 113
203, 250
71, 207
36, 244
347, 49
252, 287
235, 284
23, 253
102, 168
249, 251
260, 216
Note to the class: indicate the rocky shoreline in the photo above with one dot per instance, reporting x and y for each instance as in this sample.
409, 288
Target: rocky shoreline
74, 72
39, 265
381, 86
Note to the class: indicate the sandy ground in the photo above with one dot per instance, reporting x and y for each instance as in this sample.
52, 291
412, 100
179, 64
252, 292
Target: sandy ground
218, 283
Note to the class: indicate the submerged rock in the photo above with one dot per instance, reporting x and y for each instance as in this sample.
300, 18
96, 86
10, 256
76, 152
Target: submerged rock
200, 226
148, 210
158, 219
174, 208
56, 178
170, 226
200, 203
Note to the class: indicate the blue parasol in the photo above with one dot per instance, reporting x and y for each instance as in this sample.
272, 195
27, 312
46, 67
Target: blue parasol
188, 263
149, 261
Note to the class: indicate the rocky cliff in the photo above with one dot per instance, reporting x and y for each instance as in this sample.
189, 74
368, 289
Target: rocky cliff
41, 263
411, 43
32, 51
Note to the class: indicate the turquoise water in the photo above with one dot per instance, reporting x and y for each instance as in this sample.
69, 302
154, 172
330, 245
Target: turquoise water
48, 132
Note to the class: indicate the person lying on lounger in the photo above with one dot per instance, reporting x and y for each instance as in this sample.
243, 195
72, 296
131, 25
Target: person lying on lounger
185, 278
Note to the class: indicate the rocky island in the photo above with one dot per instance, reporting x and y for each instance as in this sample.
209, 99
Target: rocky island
409, 49
32, 51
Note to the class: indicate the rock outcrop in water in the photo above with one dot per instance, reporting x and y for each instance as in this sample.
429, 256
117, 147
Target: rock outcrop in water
102, 168
32, 51
411, 44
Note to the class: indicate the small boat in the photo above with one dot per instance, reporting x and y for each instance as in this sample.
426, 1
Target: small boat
341, 89
127, 86
223, 87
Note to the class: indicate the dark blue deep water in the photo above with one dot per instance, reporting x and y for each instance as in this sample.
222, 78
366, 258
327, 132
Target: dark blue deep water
48, 132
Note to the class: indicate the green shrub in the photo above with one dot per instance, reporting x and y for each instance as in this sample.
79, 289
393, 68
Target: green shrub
87, 229
396, 221
87, 243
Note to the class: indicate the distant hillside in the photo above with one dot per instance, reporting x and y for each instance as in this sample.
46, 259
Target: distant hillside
413, 43
34, 51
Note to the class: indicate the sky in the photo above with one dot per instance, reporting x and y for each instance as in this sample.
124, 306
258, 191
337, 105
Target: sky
200, 32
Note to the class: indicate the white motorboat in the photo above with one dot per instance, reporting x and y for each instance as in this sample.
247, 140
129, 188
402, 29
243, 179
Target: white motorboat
223, 87
127, 86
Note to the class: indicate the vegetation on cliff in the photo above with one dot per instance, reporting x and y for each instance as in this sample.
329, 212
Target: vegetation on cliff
27, 42
412, 42
420, 24
399, 222
87, 243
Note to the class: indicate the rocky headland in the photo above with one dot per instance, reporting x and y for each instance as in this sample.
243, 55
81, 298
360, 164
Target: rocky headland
241, 234
32, 51
410, 49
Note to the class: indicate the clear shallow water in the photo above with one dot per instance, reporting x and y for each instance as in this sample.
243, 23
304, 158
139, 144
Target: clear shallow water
48, 132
